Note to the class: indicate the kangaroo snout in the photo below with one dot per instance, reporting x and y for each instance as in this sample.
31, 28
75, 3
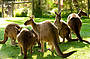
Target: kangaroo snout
25, 24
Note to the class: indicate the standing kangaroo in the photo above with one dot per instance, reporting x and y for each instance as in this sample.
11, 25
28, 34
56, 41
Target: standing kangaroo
64, 30
11, 31
26, 40
75, 23
47, 32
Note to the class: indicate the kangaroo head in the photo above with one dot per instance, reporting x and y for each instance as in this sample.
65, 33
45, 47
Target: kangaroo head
29, 22
81, 13
58, 17
19, 29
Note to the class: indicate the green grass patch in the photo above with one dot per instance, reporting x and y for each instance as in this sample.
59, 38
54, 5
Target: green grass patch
12, 52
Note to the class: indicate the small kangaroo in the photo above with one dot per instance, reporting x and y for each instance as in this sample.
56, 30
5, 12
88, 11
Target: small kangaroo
47, 32
11, 31
75, 23
64, 30
26, 40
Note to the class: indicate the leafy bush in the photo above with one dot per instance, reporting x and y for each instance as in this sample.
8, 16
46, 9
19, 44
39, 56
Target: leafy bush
50, 14
18, 14
21, 13
24, 13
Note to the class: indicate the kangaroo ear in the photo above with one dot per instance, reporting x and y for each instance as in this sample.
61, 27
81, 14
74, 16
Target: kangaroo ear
56, 13
32, 16
80, 10
60, 12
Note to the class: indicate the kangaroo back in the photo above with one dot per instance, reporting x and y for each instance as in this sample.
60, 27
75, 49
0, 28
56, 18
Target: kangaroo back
26, 40
11, 31
75, 25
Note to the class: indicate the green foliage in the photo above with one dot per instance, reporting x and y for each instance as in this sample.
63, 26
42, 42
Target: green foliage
50, 13
37, 9
21, 13
18, 14
24, 14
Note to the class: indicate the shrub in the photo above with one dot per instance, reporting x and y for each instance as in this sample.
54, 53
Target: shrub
21, 12
50, 14
24, 13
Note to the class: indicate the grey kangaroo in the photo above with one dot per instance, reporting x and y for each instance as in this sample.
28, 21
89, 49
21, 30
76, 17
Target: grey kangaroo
47, 32
75, 23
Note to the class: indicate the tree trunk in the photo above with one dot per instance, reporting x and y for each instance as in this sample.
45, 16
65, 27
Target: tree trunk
88, 7
12, 9
59, 6
2, 9
37, 9
32, 7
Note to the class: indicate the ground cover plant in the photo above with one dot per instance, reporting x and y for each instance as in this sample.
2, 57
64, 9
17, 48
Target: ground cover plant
12, 52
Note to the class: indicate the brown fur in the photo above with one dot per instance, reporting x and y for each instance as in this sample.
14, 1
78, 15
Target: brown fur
64, 30
47, 33
75, 23
11, 31
26, 40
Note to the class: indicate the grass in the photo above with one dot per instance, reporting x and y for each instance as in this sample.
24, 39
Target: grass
12, 52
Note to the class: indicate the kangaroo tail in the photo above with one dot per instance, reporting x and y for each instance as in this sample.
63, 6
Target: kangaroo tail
78, 35
5, 39
58, 51
86, 41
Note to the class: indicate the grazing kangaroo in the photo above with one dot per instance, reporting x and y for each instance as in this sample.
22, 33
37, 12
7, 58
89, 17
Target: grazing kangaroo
26, 40
11, 31
75, 23
47, 32
64, 30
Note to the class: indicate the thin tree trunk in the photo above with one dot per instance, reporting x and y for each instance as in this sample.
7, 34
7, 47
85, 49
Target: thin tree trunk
12, 9
2, 9
88, 8
32, 7
59, 6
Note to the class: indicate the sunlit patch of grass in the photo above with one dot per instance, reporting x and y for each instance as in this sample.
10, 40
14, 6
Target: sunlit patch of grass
34, 56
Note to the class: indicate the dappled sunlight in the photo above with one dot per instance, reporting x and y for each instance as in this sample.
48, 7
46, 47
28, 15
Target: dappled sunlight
34, 56
3, 22
0, 46
47, 53
88, 38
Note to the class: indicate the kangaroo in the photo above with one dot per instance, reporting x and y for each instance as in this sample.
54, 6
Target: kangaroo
47, 32
75, 23
26, 40
11, 31
64, 30
38, 41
